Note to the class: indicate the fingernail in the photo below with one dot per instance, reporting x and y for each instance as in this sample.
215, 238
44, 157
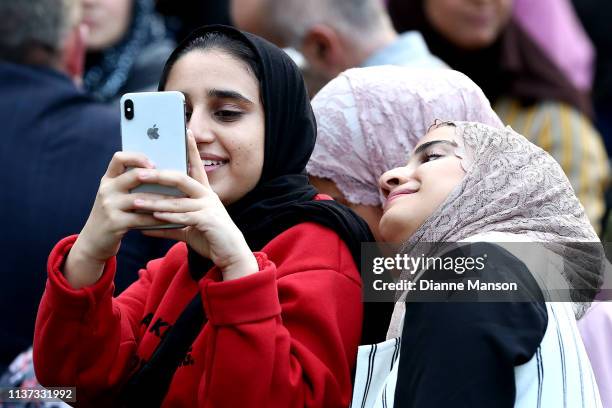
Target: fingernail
138, 201
151, 164
145, 174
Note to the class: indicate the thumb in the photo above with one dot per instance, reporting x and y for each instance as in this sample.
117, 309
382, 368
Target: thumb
196, 167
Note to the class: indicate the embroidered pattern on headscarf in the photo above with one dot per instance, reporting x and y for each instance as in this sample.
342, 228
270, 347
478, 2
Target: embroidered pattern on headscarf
370, 119
513, 186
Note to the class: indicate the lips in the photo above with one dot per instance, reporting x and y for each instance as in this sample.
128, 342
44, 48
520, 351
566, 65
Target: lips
398, 193
212, 162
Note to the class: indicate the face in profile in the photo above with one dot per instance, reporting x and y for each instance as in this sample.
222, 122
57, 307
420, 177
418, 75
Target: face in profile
226, 116
108, 22
415, 191
469, 24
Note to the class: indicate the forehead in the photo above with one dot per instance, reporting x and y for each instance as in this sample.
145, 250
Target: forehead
203, 70
439, 133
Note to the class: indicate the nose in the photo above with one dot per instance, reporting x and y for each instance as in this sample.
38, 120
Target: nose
201, 128
393, 178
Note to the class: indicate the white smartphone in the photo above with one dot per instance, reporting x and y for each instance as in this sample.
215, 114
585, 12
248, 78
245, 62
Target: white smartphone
153, 123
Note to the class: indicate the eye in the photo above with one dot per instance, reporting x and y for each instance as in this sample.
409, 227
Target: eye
432, 156
226, 115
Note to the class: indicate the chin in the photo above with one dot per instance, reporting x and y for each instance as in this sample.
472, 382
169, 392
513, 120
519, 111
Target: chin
230, 193
477, 42
394, 229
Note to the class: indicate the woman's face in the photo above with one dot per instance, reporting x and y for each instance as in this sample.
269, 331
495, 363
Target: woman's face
226, 116
469, 24
108, 22
415, 191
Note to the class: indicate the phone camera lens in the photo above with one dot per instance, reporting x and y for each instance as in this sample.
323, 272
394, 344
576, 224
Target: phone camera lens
128, 109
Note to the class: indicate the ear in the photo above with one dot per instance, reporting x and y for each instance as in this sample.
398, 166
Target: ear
73, 58
323, 48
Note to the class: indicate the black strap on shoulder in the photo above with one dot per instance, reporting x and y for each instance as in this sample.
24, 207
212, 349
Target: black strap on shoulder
149, 385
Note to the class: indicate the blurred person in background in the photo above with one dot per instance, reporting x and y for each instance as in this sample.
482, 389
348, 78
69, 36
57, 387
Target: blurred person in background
560, 36
596, 332
57, 143
182, 17
596, 326
127, 47
333, 35
595, 16
528, 91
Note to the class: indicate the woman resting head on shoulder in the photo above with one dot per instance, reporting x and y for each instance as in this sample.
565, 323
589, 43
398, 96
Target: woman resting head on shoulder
262, 247
370, 119
485, 188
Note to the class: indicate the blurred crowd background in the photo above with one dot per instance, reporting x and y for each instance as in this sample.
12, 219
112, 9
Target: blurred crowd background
545, 65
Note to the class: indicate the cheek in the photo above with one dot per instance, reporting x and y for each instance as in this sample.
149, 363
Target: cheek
246, 149
446, 12
504, 13
120, 9
454, 20
440, 12
113, 26
440, 179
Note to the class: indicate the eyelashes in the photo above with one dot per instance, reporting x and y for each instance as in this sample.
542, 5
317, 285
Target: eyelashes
432, 156
226, 115
223, 115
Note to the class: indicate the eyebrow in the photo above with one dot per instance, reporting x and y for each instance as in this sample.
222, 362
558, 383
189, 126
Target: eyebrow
434, 142
227, 94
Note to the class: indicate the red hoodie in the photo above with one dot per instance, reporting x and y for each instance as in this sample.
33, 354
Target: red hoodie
286, 336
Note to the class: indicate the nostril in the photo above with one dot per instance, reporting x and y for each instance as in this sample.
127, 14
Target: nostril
388, 181
387, 184
394, 181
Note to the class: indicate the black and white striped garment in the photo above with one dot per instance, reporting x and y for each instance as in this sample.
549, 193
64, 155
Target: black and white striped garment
377, 373
497, 354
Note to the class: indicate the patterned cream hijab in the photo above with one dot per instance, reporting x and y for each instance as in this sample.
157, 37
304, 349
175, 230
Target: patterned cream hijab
369, 120
512, 186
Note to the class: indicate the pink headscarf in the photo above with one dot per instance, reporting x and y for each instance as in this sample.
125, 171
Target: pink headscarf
554, 26
370, 119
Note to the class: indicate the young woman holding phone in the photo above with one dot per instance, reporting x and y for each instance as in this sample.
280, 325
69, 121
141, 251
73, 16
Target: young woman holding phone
261, 304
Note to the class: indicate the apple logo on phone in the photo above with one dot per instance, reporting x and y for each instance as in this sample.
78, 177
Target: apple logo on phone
152, 132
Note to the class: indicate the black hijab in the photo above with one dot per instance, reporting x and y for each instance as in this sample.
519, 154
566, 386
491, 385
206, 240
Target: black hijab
513, 65
281, 199
111, 71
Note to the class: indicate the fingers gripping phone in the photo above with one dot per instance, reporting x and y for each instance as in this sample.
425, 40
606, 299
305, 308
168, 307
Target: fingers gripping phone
153, 123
